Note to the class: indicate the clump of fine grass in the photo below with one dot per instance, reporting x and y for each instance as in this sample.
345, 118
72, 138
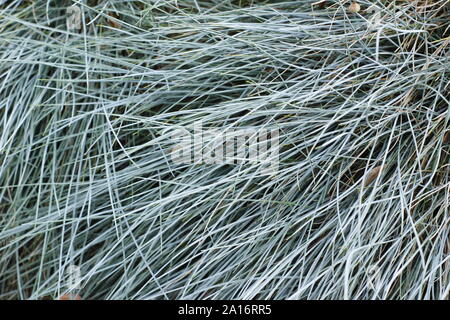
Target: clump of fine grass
358, 209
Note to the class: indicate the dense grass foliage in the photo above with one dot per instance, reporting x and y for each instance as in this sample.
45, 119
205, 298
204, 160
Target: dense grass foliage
358, 209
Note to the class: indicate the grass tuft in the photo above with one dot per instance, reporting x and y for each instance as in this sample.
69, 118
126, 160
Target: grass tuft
358, 209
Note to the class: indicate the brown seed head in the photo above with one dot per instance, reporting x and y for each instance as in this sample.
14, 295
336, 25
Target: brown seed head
354, 7
372, 175
69, 296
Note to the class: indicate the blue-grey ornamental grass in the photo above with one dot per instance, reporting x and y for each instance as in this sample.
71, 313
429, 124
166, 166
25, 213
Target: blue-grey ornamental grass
358, 207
